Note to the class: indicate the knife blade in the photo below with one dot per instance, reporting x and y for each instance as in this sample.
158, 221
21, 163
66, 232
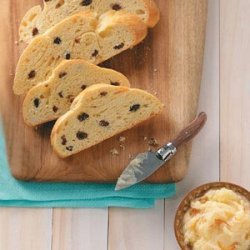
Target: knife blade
145, 164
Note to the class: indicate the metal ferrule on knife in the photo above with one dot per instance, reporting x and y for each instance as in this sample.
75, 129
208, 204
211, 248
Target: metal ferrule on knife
145, 164
167, 152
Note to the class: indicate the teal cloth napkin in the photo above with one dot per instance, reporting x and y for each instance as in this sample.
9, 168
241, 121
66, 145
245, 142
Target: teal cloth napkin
15, 193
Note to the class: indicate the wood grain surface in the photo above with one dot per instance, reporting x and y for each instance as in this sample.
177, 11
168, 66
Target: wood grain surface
80, 229
235, 91
168, 63
30, 225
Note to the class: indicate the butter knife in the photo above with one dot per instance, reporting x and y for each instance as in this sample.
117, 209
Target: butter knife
145, 164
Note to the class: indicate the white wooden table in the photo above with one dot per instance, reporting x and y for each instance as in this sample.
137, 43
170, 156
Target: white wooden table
220, 153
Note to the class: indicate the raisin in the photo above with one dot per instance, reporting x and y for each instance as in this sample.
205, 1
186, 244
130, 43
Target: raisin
57, 40
104, 93
67, 56
59, 5
37, 102
32, 74
83, 87
104, 123
62, 74
95, 53
55, 109
116, 6
115, 83
82, 117
77, 40
119, 46
64, 140
134, 108
86, 2
35, 31
69, 148
81, 135
60, 94
70, 98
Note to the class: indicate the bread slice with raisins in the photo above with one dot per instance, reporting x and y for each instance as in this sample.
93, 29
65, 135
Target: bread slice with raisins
100, 112
81, 36
37, 20
50, 99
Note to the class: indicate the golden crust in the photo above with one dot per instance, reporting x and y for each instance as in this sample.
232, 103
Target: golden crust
37, 20
154, 13
78, 72
92, 95
42, 50
122, 18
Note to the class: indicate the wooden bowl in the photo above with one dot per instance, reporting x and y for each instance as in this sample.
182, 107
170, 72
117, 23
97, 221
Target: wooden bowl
196, 193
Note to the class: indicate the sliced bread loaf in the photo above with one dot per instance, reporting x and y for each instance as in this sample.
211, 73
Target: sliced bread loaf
49, 100
100, 112
81, 36
37, 20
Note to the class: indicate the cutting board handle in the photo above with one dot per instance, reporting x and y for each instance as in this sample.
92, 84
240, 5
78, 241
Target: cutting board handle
191, 130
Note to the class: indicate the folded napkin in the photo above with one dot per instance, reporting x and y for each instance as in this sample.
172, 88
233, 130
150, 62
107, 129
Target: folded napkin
15, 193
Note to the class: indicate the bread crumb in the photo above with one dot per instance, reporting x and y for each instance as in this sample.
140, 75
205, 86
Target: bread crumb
122, 139
150, 149
17, 42
130, 156
122, 147
145, 138
155, 70
153, 142
114, 151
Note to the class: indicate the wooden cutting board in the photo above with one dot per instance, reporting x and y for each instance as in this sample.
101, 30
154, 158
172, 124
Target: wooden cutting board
168, 64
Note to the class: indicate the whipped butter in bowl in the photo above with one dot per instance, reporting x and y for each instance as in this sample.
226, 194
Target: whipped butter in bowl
215, 216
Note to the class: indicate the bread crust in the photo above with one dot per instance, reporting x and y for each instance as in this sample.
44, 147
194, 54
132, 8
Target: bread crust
35, 54
36, 21
123, 18
154, 13
85, 100
52, 90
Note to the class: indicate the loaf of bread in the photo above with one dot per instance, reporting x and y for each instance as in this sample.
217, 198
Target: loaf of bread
50, 99
100, 112
38, 21
81, 36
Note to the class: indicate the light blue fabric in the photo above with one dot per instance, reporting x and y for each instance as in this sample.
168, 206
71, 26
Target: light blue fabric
15, 193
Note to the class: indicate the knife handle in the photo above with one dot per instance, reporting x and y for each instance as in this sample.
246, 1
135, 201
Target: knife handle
191, 130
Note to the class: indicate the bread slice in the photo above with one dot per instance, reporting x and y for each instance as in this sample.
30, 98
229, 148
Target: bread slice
100, 112
37, 20
50, 99
81, 36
